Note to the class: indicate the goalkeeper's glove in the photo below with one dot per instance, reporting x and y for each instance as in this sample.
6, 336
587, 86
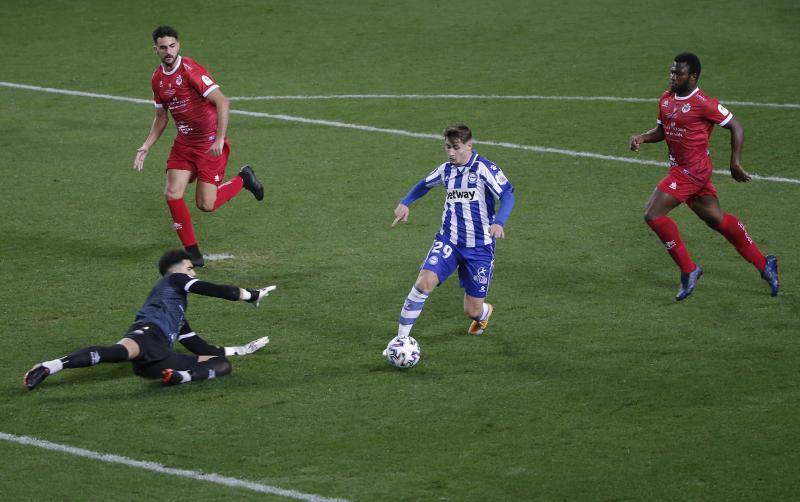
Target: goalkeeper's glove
256, 295
251, 347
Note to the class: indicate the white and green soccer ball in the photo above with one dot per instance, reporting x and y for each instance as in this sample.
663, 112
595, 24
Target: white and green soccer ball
402, 352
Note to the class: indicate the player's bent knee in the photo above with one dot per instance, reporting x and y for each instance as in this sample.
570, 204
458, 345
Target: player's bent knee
205, 206
221, 366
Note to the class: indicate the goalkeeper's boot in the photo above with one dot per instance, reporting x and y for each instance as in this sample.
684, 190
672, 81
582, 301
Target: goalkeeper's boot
251, 183
770, 274
196, 255
35, 376
478, 327
171, 377
688, 283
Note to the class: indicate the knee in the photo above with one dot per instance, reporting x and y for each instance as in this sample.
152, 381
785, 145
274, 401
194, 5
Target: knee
221, 366
205, 206
173, 194
425, 285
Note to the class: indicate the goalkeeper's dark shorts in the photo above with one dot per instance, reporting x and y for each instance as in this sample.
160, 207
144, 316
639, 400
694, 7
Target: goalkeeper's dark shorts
155, 354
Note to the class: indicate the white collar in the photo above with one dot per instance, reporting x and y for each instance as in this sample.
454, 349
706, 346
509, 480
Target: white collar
679, 98
174, 67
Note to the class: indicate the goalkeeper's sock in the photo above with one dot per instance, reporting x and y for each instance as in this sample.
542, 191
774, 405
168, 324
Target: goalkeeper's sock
213, 368
411, 310
94, 355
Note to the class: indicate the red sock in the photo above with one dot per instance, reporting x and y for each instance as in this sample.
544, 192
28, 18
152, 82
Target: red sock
734, 231
667, 231
182, 221
226, 191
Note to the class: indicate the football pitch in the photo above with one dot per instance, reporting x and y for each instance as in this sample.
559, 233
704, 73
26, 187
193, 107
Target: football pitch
592, 384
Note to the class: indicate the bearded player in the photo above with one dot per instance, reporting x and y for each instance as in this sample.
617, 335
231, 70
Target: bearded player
686, 118
200, 151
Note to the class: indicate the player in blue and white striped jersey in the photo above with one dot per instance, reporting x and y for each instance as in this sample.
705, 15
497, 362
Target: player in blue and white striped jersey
470, 225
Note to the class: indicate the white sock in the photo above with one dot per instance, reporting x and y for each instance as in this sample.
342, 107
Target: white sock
54, 366
484, 313
185, 376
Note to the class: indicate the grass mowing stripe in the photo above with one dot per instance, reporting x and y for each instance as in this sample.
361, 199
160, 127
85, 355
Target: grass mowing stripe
156, 467
398, 132
540, 97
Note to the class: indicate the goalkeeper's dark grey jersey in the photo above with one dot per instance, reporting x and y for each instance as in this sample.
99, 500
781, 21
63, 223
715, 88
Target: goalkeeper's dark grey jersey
166, 305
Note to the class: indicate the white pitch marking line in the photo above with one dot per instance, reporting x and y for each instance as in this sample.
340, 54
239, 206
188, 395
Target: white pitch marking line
219, 256
531, 148
161, 469
301, 97
397, 132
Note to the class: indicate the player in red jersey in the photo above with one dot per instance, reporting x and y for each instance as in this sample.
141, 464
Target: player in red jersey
200, 150
686, 118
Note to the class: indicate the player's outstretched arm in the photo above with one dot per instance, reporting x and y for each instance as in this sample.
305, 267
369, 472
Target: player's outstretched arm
156, 130
226, 292
652, 136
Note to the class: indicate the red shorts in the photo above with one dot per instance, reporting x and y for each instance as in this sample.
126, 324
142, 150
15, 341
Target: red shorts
685, 188
203, 166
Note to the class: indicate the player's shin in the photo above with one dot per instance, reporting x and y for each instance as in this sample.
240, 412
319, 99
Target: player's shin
736, 233
666, 230
182, 221
411, 310
89, 357
215, 367
228, 190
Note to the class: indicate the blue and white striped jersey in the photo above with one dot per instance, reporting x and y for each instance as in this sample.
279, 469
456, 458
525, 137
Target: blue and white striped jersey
469, 204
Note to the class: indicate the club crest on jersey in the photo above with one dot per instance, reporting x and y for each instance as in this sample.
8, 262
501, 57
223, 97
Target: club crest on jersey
473, 178
179, 80
686, 108
461, 195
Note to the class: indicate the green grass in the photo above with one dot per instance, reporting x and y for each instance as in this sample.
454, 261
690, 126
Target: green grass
594, 385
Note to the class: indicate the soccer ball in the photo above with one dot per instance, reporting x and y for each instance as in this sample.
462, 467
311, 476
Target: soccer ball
402, 352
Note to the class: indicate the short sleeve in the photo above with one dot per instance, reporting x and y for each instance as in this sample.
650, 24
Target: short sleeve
715, 112
201, 81
156, 101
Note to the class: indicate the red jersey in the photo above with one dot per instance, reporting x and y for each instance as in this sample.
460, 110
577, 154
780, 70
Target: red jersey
687, 122
182, 91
